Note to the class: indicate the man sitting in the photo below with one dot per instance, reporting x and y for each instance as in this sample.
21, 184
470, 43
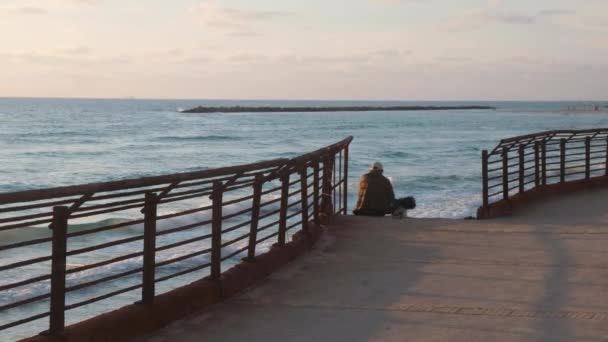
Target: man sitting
377, 198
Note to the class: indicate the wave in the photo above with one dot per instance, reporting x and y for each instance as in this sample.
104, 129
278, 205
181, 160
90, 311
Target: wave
22, 293
396, 154
201, 138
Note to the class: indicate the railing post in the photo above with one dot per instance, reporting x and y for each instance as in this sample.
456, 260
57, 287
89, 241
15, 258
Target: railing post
587, 157
536, 164
326, 195
345, 193
505, 173
544, 162
522, 164
255, 216
484, 177
562, 160
316, 193
333, 186
283, 209
150, 208
606, 162
58, 267
304, 197
216, 230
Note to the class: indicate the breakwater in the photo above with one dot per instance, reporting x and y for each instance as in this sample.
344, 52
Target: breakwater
268, 109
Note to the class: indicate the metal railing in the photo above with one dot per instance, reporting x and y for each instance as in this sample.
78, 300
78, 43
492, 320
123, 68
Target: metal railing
273, 199
524, 163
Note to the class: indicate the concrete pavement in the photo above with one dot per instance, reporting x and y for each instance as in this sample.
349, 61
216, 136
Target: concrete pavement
540, 275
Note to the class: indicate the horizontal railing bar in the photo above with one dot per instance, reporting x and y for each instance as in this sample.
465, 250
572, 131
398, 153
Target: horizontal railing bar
23, 321
238, 213
182, 198
230, 242
103, 280
183, 242
105, 228
269, 214
295, 192
267, 237
238, 200
104, 263
294, 203
232, 188
235, 227
182, 228
182, 213
269, 225
182, 257
26, 217
189, 270
494, 185
126, 193
294, 225
106, 296
235, 253
25, 224
37, 206
25, 243
266, 192
294, 214
24, 282
198, 191
25, 263
104, 245
42, 194
495, 194
25, 302
105, 211
110, 205
270, 202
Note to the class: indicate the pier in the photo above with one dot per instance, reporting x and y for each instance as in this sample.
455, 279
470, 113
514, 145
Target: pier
267, 109
539, 275
289, 263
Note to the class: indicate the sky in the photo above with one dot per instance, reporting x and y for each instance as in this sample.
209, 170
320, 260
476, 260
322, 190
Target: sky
313, 49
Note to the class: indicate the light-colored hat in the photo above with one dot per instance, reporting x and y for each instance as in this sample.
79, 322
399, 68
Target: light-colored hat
377, 166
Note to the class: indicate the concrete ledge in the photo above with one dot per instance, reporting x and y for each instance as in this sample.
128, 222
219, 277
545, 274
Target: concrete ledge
135, 320
506, 207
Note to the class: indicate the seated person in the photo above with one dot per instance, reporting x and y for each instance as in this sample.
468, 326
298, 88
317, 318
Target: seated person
376, 196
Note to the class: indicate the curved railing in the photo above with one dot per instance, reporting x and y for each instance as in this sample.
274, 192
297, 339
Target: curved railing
531, 163
221, 214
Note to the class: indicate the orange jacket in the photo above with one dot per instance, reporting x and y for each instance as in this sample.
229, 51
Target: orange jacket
376, 194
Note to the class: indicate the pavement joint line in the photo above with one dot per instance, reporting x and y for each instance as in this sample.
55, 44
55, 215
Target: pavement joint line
450, 310
499, 263
505, 231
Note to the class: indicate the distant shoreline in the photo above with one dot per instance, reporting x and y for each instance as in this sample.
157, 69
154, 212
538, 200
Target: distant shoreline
267, 109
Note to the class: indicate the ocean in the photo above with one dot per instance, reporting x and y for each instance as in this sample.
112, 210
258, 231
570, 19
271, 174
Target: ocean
431, 155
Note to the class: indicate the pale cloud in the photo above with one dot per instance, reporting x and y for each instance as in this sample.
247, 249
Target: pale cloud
236, 22
40, 7
379, 49
478, 18
20, 9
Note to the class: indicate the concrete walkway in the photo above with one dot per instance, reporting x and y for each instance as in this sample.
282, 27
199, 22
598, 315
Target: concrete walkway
540, 275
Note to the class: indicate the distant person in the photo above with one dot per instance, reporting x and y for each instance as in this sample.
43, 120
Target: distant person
376, 195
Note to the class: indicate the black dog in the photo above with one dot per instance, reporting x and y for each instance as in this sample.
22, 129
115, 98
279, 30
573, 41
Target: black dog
405, 203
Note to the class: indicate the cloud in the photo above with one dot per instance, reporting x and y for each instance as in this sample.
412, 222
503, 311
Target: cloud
479, 18
40, 8
22, 9
234, 21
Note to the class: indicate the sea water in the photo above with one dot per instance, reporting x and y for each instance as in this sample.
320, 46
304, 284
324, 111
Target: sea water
431, 155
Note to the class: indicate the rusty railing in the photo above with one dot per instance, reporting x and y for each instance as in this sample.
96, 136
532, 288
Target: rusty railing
218, 214
521, 164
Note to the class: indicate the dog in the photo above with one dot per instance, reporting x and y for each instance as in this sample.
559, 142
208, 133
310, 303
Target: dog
402, 205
